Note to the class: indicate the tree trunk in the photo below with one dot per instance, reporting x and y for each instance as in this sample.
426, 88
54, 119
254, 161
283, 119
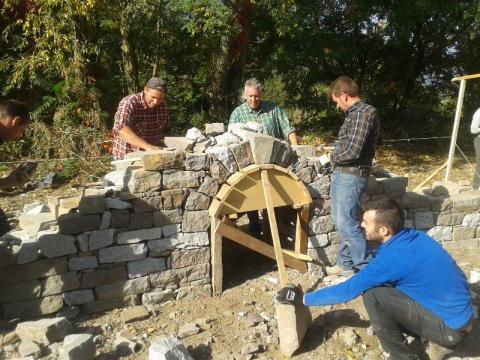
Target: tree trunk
130, 64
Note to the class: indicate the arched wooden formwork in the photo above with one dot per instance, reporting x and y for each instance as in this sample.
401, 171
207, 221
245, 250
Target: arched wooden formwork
259, 187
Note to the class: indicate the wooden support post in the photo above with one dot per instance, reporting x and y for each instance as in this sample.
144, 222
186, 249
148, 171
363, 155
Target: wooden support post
267, 191
301, 231
216, 254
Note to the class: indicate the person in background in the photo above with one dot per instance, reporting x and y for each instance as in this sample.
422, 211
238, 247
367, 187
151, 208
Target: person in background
141, 120
475, 130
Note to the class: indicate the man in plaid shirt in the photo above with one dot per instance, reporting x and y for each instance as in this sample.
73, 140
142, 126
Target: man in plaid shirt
352, 158
141, 120
266, 116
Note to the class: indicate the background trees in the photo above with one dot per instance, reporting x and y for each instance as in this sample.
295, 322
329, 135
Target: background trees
72, 61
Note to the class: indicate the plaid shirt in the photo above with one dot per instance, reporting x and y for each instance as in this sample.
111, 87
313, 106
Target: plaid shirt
149, 124
274, 120
358, 136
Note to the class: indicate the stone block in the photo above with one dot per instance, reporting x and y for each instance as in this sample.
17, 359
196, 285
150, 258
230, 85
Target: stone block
146, 266
194, 292
34, 270
319, 188
320, 225
396, 185
463, 233
317, 241
197, 201
333, 237
440, 203
293, 322
79, 297
225, 156
282, 154
140, 221
412, 200
242, 154
178, 143
147, 204
100, 239
374, 187
136, 236
171, 229
172, 199
219, 172
57, 284
105, 220
55, 245
178, 276
446, 219
193, 257
135, 313
168, 348
160, 159
471, 220
165, 217
117, 178
143, 181
441, 233
156, 297
226, 139
307, 174
213, 129
116, 203
208, 186
465, 202
29, 350
77, 347
23, 290
194, 221
122, 253
423, 220
92, 204
82, 263
304, 150
73, 224
262, 148
29, 250
120, 218
33, 308
195, 135
82, 242
446, 188
326, 255
181, 179
33, 223
96, 278
121, 289
202, 146
44, 331
178, 241
196, 161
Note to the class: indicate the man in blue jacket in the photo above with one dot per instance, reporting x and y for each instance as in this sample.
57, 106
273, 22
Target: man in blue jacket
412, 285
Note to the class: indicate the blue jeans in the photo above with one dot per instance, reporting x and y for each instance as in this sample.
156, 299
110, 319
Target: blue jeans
345, 191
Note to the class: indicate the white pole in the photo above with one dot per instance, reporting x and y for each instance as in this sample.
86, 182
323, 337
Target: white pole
458, 113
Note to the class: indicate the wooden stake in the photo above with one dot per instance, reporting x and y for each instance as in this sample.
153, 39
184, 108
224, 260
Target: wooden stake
216, 254
431, 176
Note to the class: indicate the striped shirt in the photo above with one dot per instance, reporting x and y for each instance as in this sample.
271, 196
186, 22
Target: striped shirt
358, 136
148, 124
273, 120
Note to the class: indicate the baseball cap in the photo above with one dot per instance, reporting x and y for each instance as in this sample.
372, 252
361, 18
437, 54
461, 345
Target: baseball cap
157, 84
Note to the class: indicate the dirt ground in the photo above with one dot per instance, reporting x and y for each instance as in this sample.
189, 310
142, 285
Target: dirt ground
250, 283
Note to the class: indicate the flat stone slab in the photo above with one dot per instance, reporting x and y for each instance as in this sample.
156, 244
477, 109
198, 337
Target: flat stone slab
77, 347
72, 224
156, 297
33, 223
79, 297
168, 348
135, 313
213, 129
178, 142
181, 179
195, 221
44, 331
56, 245
96, 278
100, 239
146, 266
136, 236
29, 349
122, 253
185, 258
178, 276
160, 159
142, 181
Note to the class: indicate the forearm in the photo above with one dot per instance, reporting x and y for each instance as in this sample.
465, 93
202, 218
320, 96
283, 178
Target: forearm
292, 137
128, 135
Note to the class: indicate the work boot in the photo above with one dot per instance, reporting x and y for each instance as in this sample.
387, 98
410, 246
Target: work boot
437, 352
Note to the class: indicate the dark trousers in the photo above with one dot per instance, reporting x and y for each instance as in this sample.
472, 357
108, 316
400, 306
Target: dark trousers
476, 178
392, 314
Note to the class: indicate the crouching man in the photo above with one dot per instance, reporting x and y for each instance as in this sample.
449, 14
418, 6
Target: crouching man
411, 286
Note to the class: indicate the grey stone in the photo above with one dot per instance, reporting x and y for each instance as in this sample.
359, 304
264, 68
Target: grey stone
171, 229
447, 188
120, 218
146, 266
106, 220
122, 253
195, 135
57, 284
23, 290
166, 217
411, 200
82, 241
334, 237
135, 313
440, 203
178, 142
32, 308
471, 220
96, 278
140, 221
94, 204
118, 178
55, 245
194, 292
29, 250
136, 236
178, 276
226, 139
82, 263
320, 225
208, 186
462, 233
29, 349
35, 208
147, 204
120, 289
161, 159
423, 220
317, 241
197, 201
262, 148
172, 199
73, 224
282, 154
190, 257
145, 181
156, 297
194, 221
116, 203
212, 129
304, 150
466, 202
33, 223
242, 154
79, 297
188, 329
225, 156
394, 185
307, 174
202, 146
373, 186
180, 179
179, 241
196, 161
219, 172
446, 219
100, 239
168, 348
125, 347
320, 187
441, 233
77, 347
44, 331
34, 270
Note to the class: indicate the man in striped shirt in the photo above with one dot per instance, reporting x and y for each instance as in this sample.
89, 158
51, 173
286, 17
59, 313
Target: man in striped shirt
141, 120
352, 158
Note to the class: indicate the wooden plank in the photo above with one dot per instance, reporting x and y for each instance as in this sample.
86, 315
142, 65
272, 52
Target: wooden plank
431, 176
466, 77
297, 255
223, 192
267, 190
215, 207
301, 230
216, 254
229, 231
233, 179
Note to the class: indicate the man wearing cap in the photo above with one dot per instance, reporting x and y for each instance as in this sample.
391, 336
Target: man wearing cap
141, 120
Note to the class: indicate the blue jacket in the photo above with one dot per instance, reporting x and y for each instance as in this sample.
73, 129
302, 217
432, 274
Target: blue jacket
418, 266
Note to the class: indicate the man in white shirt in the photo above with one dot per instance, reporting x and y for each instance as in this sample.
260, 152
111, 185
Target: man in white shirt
475, 130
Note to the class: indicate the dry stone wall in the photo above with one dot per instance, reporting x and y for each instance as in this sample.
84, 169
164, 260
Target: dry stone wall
143, 237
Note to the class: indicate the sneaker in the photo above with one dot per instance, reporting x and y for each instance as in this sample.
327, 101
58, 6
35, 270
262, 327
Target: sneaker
337, 270
437, 352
